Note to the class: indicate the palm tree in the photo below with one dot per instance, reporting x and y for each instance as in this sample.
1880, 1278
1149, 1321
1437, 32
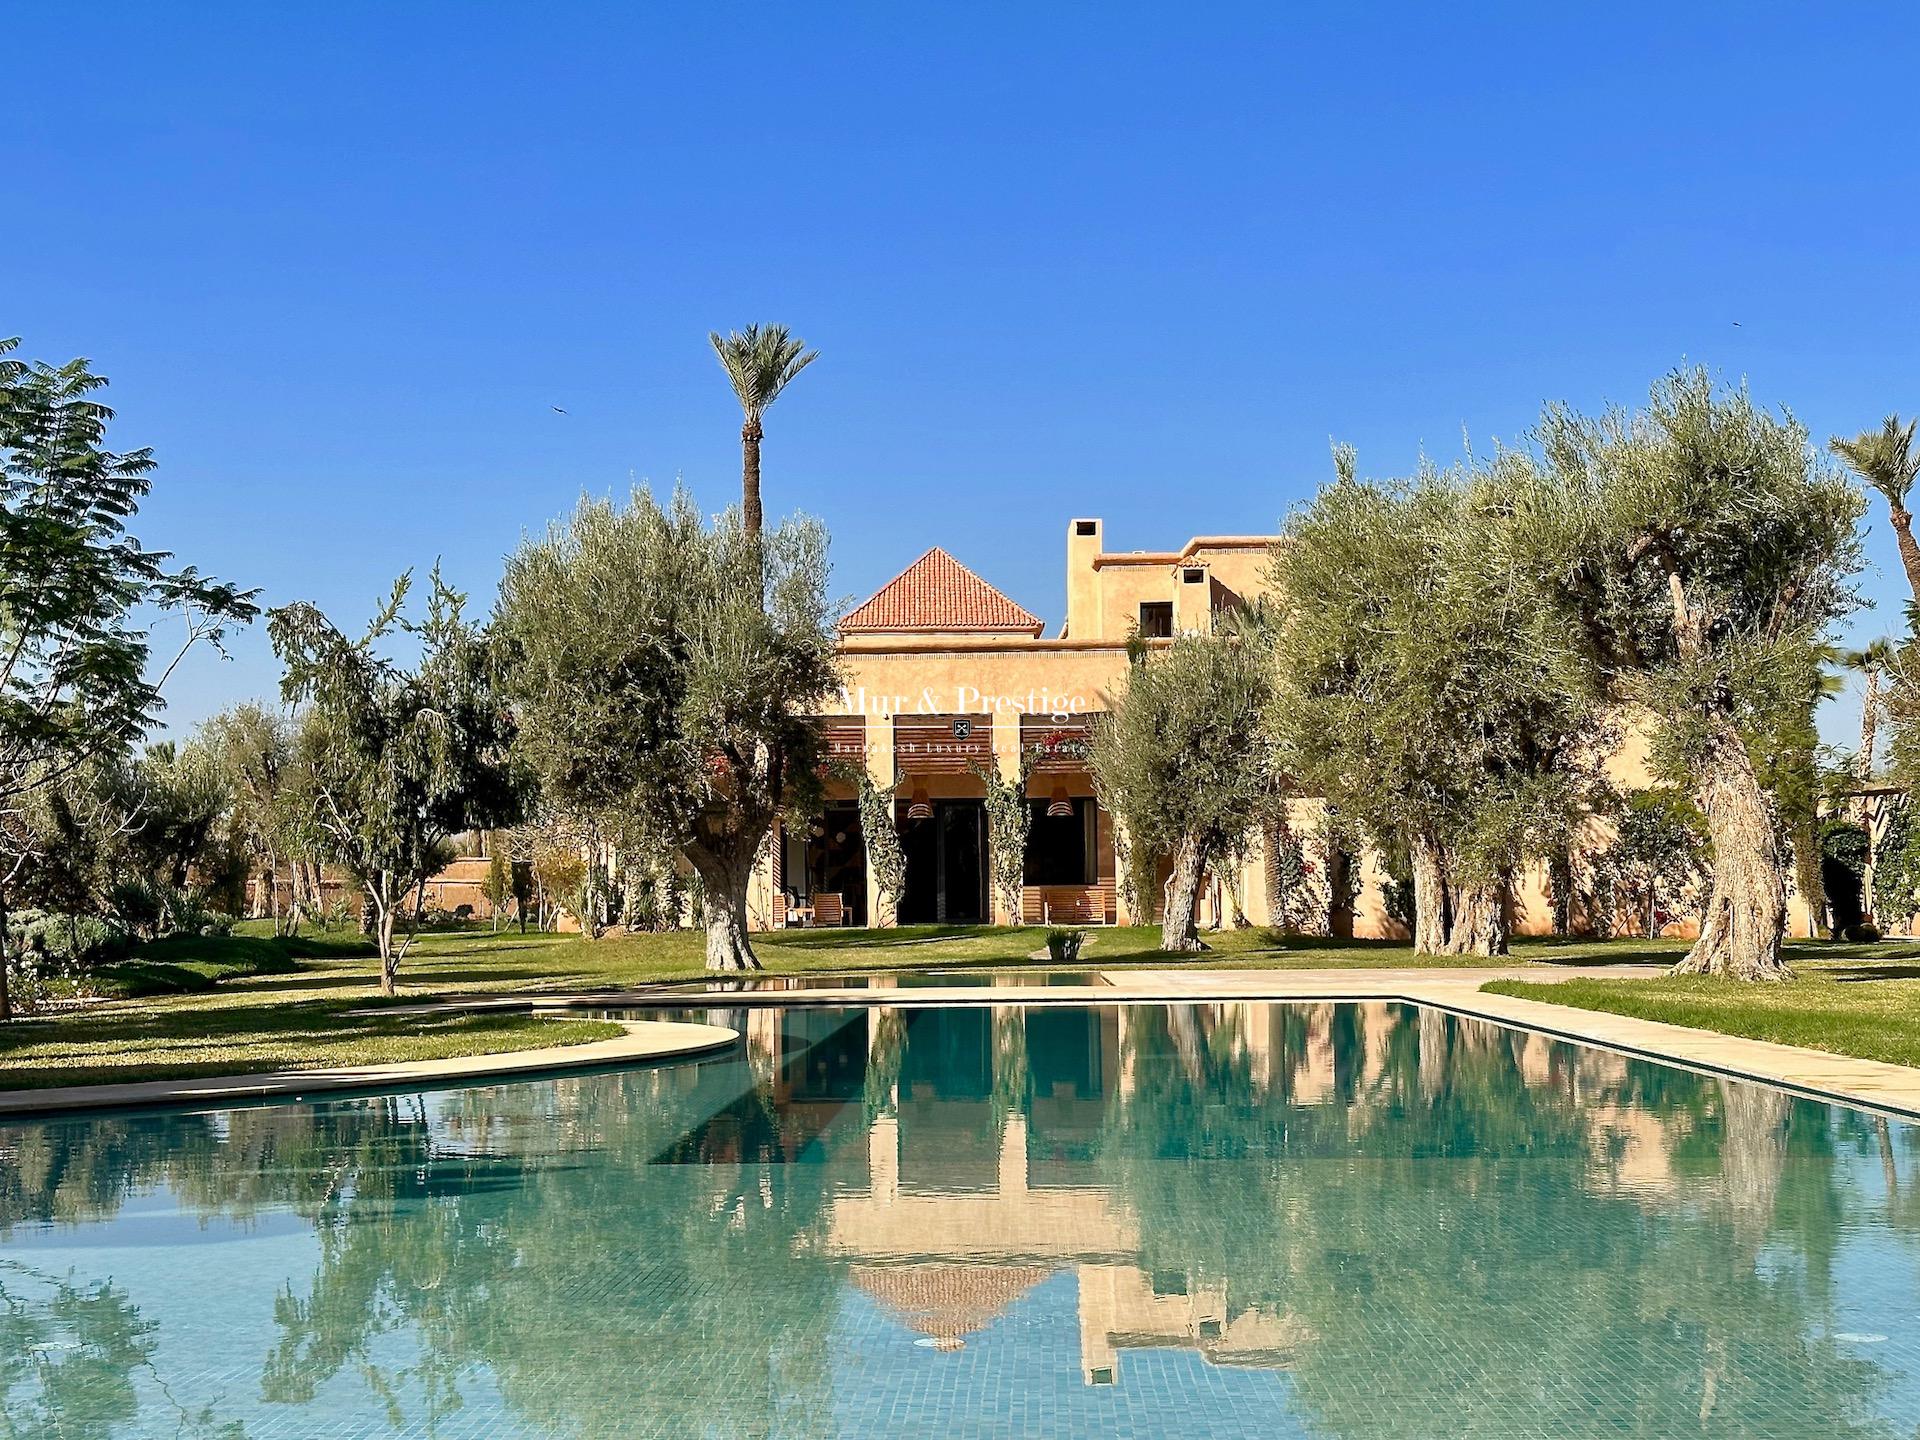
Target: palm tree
759, 362
1884, 458
1872, 663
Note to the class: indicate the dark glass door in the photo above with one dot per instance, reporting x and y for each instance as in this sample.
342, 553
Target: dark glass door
946, 879
963, 826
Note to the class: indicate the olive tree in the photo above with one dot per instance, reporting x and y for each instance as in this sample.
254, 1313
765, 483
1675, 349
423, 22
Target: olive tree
77, 591
398, 759
655, 688
1702, 549
1425, 691
1185, 762
252, 747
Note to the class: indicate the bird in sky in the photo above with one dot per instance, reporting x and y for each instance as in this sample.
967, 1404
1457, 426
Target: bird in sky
558, 411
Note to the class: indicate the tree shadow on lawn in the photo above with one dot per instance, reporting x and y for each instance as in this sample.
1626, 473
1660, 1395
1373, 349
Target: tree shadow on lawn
1856, 974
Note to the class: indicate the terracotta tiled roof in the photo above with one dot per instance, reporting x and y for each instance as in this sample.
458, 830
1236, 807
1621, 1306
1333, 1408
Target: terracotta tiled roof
937, 592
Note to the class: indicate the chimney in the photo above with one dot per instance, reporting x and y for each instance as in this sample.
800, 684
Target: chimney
1084, 620
1192, 598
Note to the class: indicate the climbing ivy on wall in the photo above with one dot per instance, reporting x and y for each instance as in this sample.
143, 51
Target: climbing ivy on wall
1007, 820
886, 861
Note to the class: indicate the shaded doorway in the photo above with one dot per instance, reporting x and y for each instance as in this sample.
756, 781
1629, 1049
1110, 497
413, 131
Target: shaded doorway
827, 856
946, 880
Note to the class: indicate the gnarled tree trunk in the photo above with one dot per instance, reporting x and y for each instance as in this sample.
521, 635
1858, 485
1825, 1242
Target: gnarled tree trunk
1179, 934
1432, 904
1746, 910
1479, 920
726, 870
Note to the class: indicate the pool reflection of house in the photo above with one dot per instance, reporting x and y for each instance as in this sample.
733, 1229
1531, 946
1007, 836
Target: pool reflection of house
979, 1137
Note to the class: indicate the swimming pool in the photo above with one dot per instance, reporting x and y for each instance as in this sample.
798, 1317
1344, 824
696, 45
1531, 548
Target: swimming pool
1248, 1218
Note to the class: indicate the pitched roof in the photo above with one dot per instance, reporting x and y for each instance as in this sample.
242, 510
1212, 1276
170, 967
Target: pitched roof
937, 592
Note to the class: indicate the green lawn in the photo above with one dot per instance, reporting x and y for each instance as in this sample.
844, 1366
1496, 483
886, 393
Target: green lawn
1849, 999
249, 1003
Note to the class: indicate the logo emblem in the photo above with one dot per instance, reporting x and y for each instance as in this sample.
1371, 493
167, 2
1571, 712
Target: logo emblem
962, 726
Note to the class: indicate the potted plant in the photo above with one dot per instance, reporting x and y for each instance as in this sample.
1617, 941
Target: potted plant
1064, 945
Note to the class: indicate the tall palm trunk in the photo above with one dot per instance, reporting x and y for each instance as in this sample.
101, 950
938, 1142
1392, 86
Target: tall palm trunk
750, 513
1869, 725
1903, 537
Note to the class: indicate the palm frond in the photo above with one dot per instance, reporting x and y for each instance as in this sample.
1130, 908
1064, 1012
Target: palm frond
760, 362
1884, 458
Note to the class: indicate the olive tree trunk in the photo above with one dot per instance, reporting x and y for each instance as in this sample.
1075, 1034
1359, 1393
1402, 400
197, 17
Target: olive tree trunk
1479, 920
1432, 911
1179, 932
385, 894
726, 871
1746, 910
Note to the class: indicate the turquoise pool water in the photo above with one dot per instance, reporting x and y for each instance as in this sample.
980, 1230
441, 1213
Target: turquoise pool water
1238, 1219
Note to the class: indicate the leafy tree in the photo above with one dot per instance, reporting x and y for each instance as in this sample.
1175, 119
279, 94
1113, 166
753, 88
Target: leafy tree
1885, 459
1185, 763
76, 679
1659, 849
251, 748
1702, 552
399, 759
760, 361
659, 688
1896, 867
1429, 693
498, 886
1799, 775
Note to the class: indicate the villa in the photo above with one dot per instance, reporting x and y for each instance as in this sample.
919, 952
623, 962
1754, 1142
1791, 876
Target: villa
946, 676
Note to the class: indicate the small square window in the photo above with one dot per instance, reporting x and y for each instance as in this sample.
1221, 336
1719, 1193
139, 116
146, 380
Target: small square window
1085, 527
1193, 574
1156, 619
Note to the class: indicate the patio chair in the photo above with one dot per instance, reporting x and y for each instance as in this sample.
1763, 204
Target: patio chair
828, 908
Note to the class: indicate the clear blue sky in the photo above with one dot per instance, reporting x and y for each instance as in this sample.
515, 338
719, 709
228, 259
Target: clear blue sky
1142, 262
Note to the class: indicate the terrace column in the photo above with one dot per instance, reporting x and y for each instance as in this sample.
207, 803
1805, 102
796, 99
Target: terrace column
1006, 763
880, 771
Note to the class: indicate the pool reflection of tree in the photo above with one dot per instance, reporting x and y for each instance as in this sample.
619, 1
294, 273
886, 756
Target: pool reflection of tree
660, 1280
1534, 1237
70, 1354
1503, 1292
